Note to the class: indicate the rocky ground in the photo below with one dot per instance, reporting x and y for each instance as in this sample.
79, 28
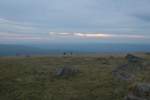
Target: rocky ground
75, 78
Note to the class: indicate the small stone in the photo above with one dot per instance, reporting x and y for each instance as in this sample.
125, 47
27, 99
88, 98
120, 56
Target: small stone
132, 97
123, 75
66, 72
132, 58
142, 90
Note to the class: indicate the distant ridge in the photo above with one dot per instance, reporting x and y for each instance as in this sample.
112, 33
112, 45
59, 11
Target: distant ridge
59, 48
12, 50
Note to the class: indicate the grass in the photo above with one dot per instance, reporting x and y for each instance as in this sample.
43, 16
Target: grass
33, 78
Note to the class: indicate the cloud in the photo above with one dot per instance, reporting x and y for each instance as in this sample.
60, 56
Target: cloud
76, 15
19, 27
102, 19
143, 16
98, 35
14, 36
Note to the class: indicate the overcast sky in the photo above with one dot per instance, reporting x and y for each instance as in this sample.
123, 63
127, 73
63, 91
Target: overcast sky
45, 21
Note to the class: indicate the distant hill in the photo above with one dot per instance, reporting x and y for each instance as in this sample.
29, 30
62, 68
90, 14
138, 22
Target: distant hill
98, 47
12, 50
76, 48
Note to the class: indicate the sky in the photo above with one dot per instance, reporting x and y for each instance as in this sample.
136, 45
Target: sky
57, 21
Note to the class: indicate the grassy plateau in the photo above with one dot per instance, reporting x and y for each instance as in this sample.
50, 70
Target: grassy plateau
33, 78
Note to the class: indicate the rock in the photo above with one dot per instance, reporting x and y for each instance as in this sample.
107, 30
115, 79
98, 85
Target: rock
66, 72
104, 61
132, 67
123, 75
142, 90
123, 67
132, 58
132, 97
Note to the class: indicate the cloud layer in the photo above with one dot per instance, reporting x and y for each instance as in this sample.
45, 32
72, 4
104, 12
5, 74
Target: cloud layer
128, 19
98, 35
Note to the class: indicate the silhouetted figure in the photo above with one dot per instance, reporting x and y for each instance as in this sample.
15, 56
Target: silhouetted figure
64, 53
27, 55
71, 53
